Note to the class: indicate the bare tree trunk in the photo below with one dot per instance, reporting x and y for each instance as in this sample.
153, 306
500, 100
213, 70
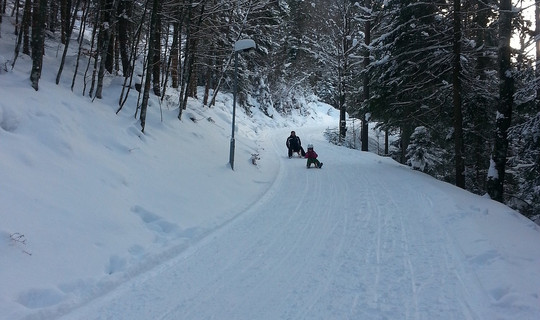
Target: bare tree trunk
483, 62
174, 55
25, 25
156, 57
457, 99
208, 83
27, 16
16, 8
192, 86
66, 46
148, 72
94, 73
109, 60
53, 15
167, 69
191, 46
386, 142
125, 12
367, 41
497, 171
2, 12
65, 9
122, 100
342, 113
406, 132
105, 33
38, 38
343, 71
93, 55
79, 40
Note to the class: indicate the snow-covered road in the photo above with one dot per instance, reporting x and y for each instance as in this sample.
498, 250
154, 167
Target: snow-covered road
362, 238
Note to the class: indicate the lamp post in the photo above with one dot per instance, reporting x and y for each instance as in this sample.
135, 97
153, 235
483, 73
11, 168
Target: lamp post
240, 45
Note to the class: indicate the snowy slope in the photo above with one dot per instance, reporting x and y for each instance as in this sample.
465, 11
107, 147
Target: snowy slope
99, 221
362, 238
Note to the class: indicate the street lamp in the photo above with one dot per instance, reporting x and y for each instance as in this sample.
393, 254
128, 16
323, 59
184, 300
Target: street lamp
240, 45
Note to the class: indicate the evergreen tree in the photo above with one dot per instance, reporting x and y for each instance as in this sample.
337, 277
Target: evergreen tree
525, 163
480, 84
410, 72
497, 171
422, 153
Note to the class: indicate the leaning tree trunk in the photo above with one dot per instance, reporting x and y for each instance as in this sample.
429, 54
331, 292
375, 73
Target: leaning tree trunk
457, 99
25, 25
495, 180
66, 46
38, 38
79, 40
135, 44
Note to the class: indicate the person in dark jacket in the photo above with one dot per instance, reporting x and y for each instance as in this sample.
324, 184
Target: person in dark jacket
311, 156
295, 145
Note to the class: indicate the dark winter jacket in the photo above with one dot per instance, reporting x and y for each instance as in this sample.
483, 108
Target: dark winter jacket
294, 143
311, 154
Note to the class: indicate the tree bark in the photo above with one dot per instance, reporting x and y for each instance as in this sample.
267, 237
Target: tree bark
27, 19
2, 12
65, 9
124, 14
52, 17
156, 57
367, 42
108, 8
386, 142
66, 45
25, 25
497, 171
149, 59
174, 55
457, 98
38, 38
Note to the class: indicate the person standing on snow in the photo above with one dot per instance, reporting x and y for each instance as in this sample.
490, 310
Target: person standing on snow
311, 156
295, 145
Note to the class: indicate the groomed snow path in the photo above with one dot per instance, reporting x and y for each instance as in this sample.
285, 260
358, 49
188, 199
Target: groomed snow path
358, 242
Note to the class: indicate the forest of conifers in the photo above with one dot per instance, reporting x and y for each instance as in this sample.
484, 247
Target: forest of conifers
454, 80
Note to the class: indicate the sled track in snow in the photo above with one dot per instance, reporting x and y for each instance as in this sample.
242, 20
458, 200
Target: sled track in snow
317, 245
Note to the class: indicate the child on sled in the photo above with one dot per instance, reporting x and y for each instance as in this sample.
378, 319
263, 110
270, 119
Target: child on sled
311, 156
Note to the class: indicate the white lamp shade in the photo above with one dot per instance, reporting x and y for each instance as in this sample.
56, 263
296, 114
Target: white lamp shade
244, 44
